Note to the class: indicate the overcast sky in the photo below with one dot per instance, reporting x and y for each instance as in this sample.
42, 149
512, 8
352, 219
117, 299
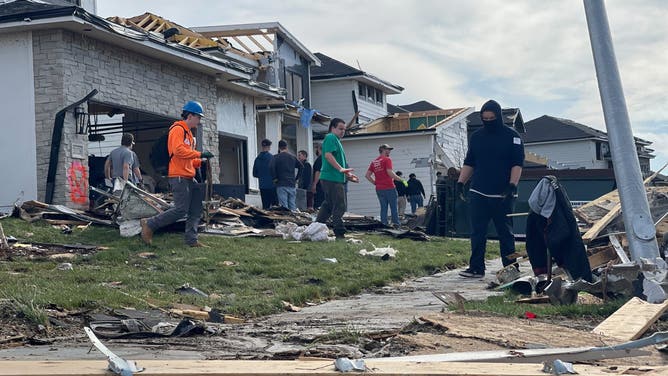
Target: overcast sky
530, 54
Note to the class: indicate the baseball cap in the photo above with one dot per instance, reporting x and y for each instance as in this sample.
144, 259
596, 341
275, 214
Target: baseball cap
385, 146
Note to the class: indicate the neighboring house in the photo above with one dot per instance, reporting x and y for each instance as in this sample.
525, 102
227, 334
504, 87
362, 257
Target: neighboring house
54, 55
450, 126
424, 143
341, 90
575, 145
414, 152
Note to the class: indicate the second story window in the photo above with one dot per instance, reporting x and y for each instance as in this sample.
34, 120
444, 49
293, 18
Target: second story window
370, 94
361, 90
379, 97
293, 85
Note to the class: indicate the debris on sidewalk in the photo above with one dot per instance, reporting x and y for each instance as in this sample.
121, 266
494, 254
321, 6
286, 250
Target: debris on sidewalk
117, 364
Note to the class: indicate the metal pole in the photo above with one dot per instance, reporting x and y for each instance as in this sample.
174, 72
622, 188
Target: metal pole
640, 229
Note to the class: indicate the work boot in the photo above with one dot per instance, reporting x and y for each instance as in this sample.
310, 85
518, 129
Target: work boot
197, 244
146, 232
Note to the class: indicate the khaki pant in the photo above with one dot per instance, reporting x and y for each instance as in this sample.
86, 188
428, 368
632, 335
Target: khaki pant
401, 205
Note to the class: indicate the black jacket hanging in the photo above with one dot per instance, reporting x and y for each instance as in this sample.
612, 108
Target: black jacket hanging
559, 234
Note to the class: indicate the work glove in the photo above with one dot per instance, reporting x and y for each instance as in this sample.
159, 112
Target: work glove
460, 191
510, 192
206, 154
108, 183
405, 183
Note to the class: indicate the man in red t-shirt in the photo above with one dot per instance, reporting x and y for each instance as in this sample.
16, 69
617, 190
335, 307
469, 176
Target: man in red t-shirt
381, 175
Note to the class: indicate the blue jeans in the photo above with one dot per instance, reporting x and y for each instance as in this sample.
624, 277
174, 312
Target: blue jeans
416, 202
287, 197
388, 197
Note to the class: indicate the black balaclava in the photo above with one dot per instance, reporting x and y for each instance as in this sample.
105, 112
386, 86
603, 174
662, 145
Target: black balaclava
493, 106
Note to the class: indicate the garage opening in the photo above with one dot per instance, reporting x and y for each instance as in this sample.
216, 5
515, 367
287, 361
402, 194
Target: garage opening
233, 177
106, 124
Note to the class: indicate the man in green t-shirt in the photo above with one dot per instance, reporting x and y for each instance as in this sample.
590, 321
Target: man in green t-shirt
332, 177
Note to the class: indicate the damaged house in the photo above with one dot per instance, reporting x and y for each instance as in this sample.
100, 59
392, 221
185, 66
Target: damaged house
341, 91
424, 142
80, 81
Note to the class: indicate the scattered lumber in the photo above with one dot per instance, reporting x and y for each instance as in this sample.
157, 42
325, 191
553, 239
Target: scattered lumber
303, 367
599, 213
631, 320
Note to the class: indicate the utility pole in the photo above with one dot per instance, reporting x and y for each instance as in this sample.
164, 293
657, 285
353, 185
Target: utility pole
640, 230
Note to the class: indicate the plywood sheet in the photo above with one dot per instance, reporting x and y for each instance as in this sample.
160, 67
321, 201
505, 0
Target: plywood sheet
515, 332
631, 320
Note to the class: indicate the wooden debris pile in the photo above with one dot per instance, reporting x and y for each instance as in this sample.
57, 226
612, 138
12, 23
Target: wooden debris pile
603, 229
32, 211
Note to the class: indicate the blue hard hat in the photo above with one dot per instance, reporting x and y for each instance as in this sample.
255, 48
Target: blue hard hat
194, 107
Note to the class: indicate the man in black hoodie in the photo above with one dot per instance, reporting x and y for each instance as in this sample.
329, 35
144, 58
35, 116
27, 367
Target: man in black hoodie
494, 164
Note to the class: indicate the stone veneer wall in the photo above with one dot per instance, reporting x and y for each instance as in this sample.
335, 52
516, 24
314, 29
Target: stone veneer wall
68, 65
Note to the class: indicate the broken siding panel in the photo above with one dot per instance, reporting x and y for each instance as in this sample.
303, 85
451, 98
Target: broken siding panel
570, 154
452, 138
18, 174
407, 151
333, 98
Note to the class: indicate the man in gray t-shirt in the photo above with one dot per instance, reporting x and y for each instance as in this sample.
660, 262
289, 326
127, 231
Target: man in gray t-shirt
121, 160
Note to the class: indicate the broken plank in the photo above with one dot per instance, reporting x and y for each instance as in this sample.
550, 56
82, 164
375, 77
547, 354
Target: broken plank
593, 232
619, 249
299, 367
631, 320
601, 256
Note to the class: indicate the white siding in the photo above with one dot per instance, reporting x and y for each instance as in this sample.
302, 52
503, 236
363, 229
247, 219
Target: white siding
19, 175
333, 98
570, 154
360, 152
235, 115
370, 110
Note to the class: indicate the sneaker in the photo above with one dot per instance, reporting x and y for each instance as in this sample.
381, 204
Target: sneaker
470, 273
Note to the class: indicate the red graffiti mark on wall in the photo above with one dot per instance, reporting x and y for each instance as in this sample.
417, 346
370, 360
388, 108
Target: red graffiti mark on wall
77, 177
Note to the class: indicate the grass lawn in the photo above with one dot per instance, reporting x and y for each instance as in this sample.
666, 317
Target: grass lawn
265, 271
